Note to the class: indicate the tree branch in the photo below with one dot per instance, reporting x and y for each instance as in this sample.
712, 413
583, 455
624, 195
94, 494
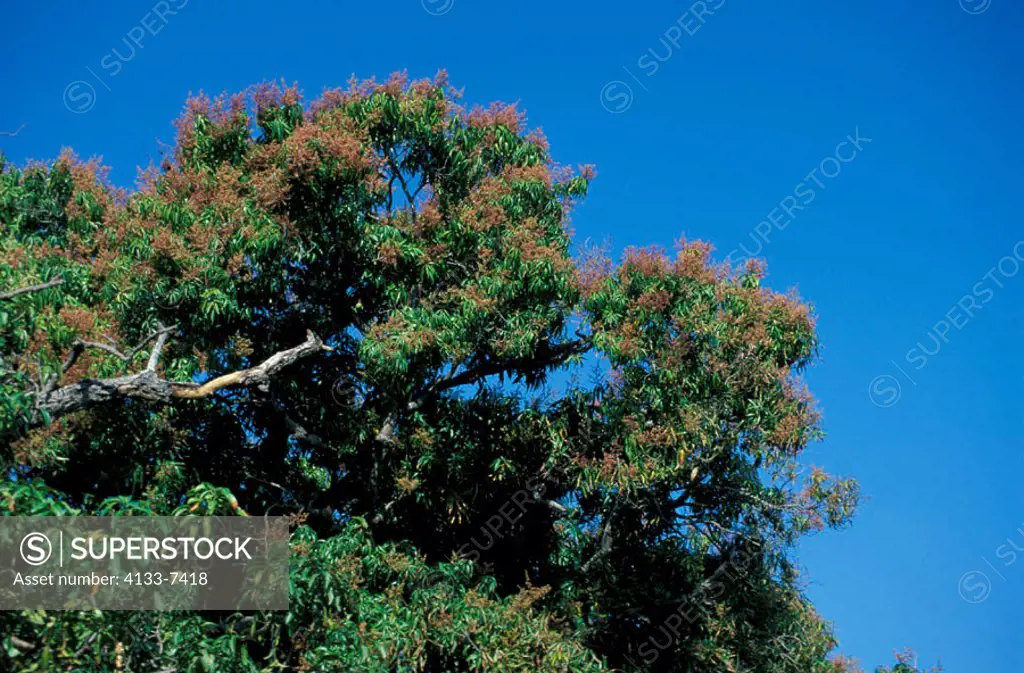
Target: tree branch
79, 346
386, 434
299, 431
31, 288
397, 171
606, 544
558, 507
555, 355
22, 644
147, 385
154, 356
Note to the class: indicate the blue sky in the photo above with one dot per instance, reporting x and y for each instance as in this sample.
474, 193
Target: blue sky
745, 108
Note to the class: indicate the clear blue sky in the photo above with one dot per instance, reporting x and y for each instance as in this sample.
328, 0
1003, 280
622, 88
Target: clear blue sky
714, 138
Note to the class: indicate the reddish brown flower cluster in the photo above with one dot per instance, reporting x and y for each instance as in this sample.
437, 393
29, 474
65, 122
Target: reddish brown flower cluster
694, 261
485, 209
89, 178
268, 180
649, 261
655, 300
535, 172
270, 95
226, 115
497, 114
310, 145
388, 253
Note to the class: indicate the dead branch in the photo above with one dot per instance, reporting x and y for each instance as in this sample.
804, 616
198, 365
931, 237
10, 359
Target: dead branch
147, 385
605, 547
31, 288
79, 346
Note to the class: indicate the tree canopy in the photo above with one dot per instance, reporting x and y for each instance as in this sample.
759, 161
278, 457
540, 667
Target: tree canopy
500, 452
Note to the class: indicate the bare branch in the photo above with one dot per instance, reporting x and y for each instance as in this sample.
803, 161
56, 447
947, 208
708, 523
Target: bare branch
301, 433
31, 288
558, 507
379, 516
147, 385
80, 344
556, 355
397, 172
154, 356
22, 644
125, 357
386, 434
142, 344
255, 376
606, 544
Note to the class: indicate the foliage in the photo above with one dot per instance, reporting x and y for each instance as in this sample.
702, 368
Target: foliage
463, 502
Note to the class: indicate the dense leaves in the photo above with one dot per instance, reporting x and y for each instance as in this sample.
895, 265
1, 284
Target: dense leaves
501, 456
